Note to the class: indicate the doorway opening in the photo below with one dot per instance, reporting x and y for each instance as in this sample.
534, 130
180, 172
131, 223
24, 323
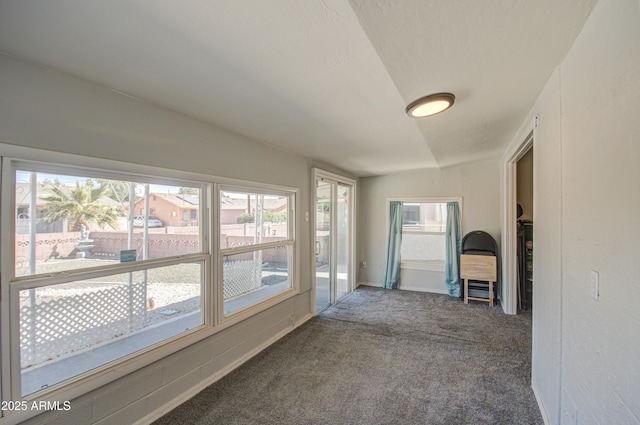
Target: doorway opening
510, 264
525, 244
333, 223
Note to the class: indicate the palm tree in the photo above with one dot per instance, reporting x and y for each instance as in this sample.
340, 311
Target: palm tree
80, 206
117, 190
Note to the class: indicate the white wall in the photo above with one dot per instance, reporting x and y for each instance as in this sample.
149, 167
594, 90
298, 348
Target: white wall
46, 109
478, 185
586, 351
600, 91
547, 259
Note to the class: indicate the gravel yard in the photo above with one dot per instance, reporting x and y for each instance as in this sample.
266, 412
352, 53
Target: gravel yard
61, 319
171, 291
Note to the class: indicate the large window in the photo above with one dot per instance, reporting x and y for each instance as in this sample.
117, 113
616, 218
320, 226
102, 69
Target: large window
94, 277
107, 269
256, 242
423, 234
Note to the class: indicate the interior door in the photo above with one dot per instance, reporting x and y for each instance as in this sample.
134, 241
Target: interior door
333, 239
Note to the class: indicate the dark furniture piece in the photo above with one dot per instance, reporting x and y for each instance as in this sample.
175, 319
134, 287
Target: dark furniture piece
479, 242
525, 264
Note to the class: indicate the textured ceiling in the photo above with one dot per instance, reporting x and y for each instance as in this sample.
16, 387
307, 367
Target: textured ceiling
325, 79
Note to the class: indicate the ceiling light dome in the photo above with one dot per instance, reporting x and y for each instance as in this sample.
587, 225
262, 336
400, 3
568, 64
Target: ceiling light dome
430, 105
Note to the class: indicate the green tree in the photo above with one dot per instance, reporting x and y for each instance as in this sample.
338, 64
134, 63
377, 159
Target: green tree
274, 217
80, 206
267, 217
245, 218
117, 190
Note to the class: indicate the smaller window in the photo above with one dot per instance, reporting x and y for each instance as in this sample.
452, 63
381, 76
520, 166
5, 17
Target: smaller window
423, 235
257, 247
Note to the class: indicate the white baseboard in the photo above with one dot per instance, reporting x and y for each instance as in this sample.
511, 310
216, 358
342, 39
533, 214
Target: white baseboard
408, 288
376, 285
177, 401
541, 405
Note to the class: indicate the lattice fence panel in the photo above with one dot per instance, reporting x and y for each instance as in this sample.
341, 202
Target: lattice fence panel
241, 276
60, 326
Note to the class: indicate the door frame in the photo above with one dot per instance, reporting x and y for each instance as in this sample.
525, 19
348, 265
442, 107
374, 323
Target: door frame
318, 173
509, 198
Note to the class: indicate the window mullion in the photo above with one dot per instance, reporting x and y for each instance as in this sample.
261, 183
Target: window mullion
256, 247
14, 346
38, 281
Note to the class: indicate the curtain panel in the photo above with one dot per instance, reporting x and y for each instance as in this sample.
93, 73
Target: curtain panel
453, 242
394, 243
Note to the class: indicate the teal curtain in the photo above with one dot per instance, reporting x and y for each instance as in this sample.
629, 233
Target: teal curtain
394, 242
453, 241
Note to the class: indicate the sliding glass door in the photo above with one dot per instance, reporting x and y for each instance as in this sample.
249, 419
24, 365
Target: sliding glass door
342, 230
333, 218
323, 246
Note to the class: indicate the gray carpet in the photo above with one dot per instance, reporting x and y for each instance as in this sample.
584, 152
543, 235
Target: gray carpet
382, 357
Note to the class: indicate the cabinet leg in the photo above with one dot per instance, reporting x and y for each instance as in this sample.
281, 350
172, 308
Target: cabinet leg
466, 291
490, 294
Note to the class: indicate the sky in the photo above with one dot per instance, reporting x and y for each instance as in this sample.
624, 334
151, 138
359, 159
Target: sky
67, 180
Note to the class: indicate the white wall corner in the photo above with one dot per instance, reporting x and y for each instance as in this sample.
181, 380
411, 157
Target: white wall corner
543, 408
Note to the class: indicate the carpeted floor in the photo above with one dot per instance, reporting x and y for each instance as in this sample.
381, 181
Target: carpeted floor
382, 357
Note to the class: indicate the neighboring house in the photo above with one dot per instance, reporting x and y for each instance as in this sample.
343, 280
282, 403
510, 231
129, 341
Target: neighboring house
172, 209
23, 209
231, 209
182, 210
275, 205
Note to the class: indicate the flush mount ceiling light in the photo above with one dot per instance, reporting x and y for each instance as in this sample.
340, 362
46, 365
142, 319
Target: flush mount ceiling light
430, 105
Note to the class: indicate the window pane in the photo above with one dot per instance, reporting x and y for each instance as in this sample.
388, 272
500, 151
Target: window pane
423, 227
66, 222
72, 328
423, 248
343, 243
424, 217
249, 218
254, 276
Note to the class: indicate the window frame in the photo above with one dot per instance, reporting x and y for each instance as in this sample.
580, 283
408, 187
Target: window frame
26, 159
211, 293
257, 189
423, 266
